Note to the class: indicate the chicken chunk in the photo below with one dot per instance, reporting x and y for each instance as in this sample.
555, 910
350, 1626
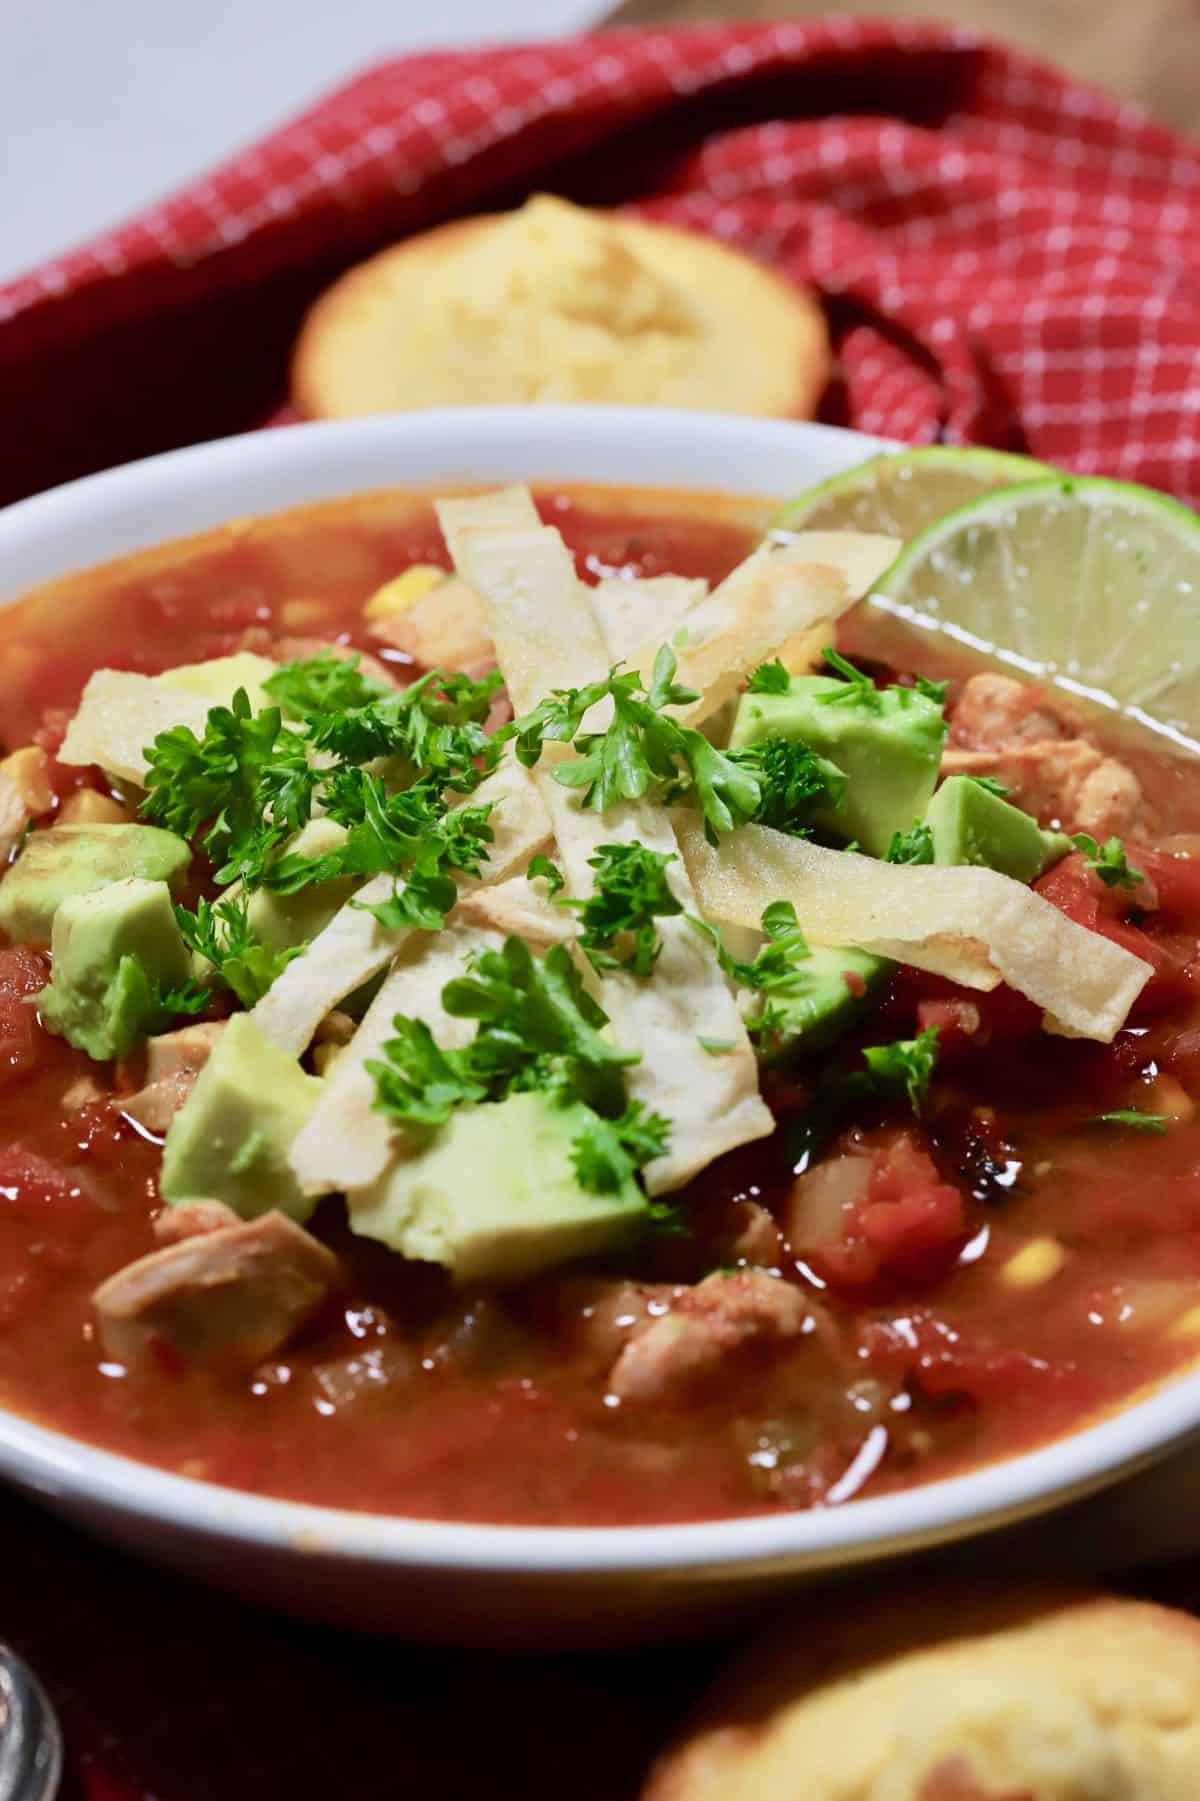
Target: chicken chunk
173, 1061
444, 629
727, 1316
190, 1219
1005, 728
225, 1298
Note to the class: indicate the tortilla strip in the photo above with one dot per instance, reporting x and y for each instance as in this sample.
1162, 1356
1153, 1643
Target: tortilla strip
14, 816
860, 558
546, 637
634, 613
517, 905
354, 946
120, 714
345, 1144
781, 596
974, 925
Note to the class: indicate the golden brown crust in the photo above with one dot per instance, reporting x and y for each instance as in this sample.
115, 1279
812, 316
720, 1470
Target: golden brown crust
398, 331
1045, 1694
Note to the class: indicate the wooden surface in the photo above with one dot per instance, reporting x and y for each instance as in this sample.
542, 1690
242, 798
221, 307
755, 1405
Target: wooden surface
1144, 50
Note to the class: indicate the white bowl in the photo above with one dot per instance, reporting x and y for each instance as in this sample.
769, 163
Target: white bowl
470, 1583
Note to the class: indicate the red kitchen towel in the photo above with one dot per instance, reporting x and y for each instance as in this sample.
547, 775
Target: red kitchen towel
1007, 257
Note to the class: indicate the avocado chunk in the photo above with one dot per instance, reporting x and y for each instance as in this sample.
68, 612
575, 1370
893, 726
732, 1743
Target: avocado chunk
493, 1195
836, 985
66, 860
218, 680
114, 954
281, 921
886, 742
231, 1138
970, 824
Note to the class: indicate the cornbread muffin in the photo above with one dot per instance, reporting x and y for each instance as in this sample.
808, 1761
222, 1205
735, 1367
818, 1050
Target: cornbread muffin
556, 303
1045, 1695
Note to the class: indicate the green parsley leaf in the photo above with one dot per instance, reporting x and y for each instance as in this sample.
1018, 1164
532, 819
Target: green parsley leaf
716, 1046
630, 892
990, 785
310, 687
913, 846
909, 1064
1108, 861
778, 964
793, 782
607, 1152
221, 933
769, 678
416, 1081
1135, 1118
541, 867
935, 691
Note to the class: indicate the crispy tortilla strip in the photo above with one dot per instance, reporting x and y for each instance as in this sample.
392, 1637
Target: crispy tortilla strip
502, 509
14, 815
546, 637
517, 905
633, 614
860, 558
780, 596
120, 714
345, 1144
354, 946
974, 925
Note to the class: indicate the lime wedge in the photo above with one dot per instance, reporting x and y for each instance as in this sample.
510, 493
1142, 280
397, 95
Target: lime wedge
904, 492
1091, 585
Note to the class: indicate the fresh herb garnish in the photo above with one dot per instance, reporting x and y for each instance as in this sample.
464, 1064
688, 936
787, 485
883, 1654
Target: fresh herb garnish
913, 846
935, 691
1135, 1118
312, 687
1108, 861
990, 785
858, 687
608, 1152
716, 1046
777, 965
435, 725
221, 933
907, 1064
769, 678
630, 892
641, 749
794, 782
541, 867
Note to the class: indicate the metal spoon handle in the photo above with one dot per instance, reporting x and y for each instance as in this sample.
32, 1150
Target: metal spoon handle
31, 1748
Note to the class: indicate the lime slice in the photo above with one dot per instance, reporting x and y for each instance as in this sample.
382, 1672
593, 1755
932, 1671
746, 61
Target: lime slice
1089, 584
902, 493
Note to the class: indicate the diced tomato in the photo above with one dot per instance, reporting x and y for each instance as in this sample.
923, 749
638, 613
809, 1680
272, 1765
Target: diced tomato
23, 973
957, 1022
1176, 883
905, 1233
942, 1360
1082, 897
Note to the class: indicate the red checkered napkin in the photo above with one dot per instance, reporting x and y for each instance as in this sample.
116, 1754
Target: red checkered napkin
1007, 257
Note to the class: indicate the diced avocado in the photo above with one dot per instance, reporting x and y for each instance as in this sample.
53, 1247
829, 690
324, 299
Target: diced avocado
284, 920
65, 860
887, 743
230, 1139
113, 953
494, 1196
219, 679
840, 984
970, 824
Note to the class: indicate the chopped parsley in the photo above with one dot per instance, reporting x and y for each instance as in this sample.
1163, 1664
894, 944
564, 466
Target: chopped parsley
777, 964
907, 1064
313, 687
221, 933
913, 846
538, 1029
858, 687
145, 1006
631, 891
1108, 861
541, 867
990, 785
716, 1047
769, 678
1135, 1118
435, 725
793, 780
641, 750
934, 691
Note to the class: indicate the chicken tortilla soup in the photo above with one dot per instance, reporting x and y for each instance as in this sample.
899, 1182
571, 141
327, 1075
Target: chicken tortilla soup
520, 1008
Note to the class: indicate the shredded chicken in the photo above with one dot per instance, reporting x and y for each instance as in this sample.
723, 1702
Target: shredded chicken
1005, 728
173, 1061
444, 629
668, 1358
191, 1219
225, 1297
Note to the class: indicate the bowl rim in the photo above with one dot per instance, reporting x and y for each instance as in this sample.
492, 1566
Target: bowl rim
194, 487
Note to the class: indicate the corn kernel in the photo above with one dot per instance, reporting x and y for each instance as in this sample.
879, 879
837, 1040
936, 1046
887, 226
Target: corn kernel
1035, 1262
402, 590
303, 615
87, 807
1168, 1096
1187, 1325
26, 770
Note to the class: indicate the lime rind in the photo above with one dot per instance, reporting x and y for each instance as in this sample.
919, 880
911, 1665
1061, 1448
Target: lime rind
1082, 581
903, 491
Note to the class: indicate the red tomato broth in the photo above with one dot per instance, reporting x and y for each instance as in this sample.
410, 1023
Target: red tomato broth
408, 1398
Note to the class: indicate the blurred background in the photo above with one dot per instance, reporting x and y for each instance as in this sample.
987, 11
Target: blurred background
106, 107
